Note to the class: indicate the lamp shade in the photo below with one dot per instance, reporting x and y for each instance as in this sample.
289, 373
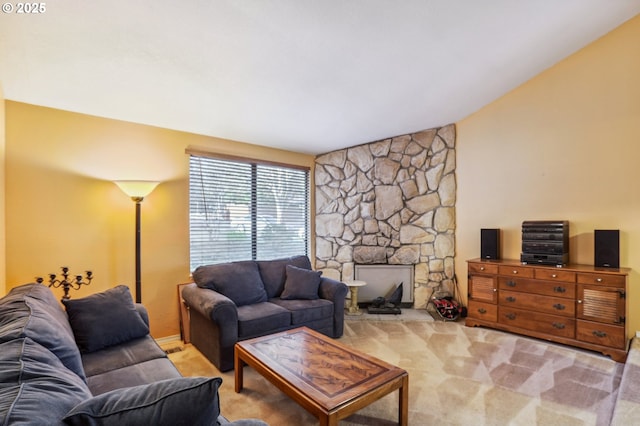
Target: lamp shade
137, 188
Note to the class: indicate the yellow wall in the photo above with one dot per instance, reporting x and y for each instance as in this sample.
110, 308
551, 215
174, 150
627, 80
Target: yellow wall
62, 208
2, 195
563, 146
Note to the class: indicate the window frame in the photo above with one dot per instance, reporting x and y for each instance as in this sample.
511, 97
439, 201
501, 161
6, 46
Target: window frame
255, 164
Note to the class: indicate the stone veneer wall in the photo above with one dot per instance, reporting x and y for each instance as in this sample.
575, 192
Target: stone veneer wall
389, 202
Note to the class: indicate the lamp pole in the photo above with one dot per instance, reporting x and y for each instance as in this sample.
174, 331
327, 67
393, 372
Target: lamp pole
137, 190
138, 201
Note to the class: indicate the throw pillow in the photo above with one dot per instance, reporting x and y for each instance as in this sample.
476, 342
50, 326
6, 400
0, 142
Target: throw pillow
274, 273
301, 284
105, 319
181, 401
239, 281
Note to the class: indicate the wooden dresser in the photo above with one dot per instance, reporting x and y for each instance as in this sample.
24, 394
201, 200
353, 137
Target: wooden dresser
577, 305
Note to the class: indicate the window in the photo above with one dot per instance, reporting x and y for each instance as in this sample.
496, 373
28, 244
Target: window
246, 210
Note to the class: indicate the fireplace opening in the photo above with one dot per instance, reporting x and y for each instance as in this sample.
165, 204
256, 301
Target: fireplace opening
382, 280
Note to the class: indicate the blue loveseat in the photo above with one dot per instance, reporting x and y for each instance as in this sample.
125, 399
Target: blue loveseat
230, 302
94, 364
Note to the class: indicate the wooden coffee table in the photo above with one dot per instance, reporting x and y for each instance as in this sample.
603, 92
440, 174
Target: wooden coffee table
327, 378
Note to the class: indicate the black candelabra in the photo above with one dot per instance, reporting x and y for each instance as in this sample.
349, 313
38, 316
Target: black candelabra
66, 284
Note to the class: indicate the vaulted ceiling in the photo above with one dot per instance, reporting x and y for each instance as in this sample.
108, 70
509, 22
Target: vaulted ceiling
302, 75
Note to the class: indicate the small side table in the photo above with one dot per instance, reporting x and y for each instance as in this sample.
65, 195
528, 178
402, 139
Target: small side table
183, 311
353, 288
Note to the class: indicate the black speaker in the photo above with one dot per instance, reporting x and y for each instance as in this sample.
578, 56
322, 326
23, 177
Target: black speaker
606, 248
490, 243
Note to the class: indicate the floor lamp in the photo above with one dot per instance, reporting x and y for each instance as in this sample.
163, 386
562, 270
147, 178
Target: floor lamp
137, 190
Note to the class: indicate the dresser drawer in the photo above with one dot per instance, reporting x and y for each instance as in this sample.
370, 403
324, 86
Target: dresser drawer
554, 275
601, 334
538, 303
483, 311
601, 279
534, 321
559, 289
483, 268
519, 271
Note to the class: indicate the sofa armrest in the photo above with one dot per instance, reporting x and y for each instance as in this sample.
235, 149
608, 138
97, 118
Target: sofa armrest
143, 313
336, 292
222, 312
333, 290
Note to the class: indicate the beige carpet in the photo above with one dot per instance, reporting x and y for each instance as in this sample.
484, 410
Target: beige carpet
457, 376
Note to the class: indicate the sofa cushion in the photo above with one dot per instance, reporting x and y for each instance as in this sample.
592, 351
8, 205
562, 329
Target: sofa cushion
31, 310
39, 389
105, 319
274, 274
10, 361
185, 400
301, 284
123, 355
132, 375
305, 311
239, 281
260, 319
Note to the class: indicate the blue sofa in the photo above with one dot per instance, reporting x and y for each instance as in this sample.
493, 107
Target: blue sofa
93, 364
230, 302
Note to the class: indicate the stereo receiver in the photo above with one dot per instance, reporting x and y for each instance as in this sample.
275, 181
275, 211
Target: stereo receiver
545, 242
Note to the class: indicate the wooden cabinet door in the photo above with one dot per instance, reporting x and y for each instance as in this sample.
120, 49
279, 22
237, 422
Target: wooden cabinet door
601, 303
483, 288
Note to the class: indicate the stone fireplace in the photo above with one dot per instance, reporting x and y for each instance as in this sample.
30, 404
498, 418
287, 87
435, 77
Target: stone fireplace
389, 202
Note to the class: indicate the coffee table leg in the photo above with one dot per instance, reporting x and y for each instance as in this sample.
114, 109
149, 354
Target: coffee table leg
238, 363
328, 419
403, 402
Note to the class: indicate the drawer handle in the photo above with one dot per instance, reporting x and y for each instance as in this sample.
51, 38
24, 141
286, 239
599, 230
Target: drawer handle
482, 311
511, 299
554, 275
482, 268
559, 306
599, 333
579, 302
515, 272
511, 283
559, 325
560, 289
511, 316
598, 280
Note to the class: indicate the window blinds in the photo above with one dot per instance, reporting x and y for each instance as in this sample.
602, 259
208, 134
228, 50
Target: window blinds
246, 211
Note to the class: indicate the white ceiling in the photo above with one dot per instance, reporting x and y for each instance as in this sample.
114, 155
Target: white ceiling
304, 75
